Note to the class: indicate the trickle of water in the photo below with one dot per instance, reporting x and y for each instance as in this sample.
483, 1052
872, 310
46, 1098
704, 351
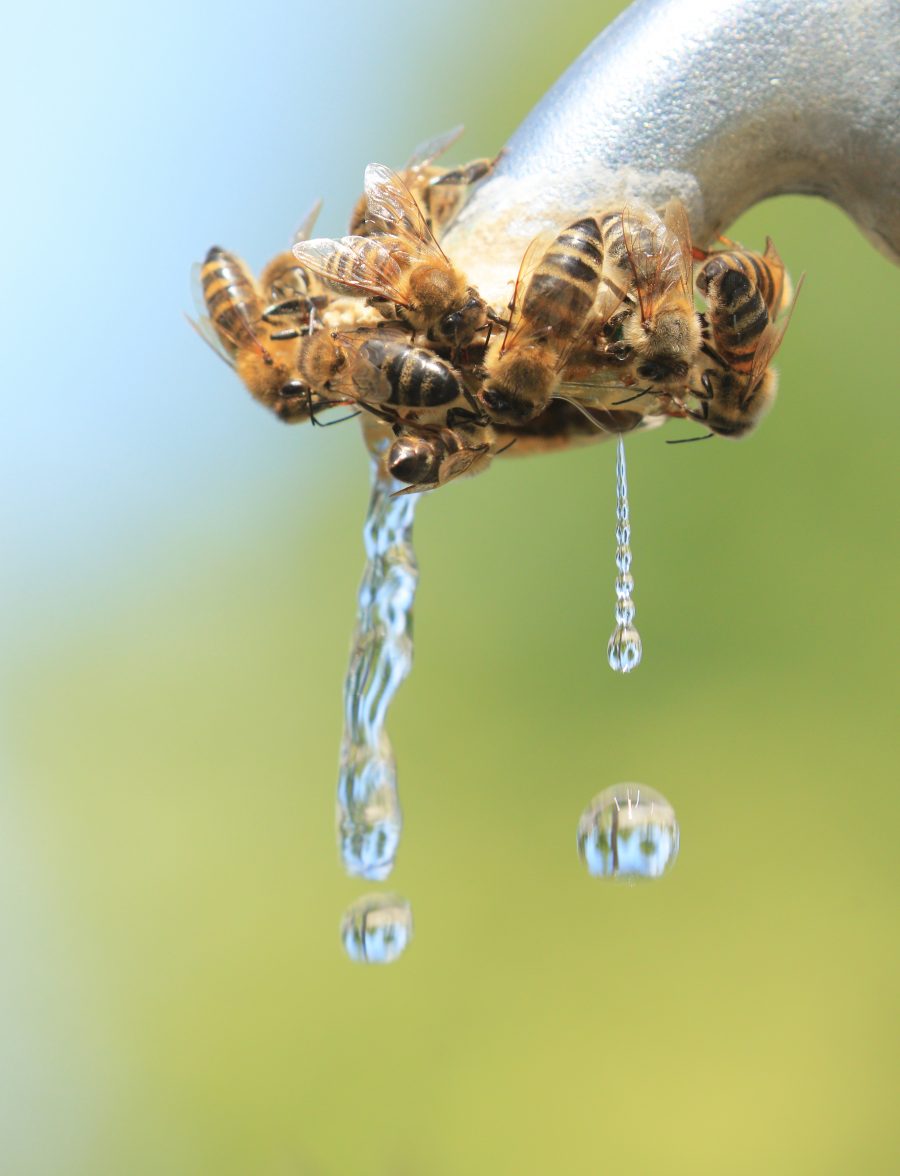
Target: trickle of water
368, 807
376, 928
624, 649
628, 831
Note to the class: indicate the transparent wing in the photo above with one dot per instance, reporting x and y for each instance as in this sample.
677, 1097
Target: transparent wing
781, 282
531, 259
207, 332
769, 342
305, 227
203, 324
681, 258
428, 151
392, 209
354, 263
654, 256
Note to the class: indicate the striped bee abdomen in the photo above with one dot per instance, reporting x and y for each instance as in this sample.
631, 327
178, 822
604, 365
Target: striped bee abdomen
393, 372
231, 297
735, 285
563, 288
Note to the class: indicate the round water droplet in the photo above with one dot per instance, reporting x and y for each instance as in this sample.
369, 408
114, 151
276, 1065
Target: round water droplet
624, 649
624, 610
624, 585
623, 559
377, 928
629, 832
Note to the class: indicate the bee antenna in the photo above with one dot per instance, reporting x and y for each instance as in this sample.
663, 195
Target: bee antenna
685, 440
629, 399
349, 417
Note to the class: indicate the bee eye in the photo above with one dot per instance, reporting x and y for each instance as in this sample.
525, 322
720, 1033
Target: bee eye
652, 371
294, 388
497, 402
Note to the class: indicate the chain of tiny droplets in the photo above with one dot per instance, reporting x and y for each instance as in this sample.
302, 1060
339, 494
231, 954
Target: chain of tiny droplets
624, 579
624, 649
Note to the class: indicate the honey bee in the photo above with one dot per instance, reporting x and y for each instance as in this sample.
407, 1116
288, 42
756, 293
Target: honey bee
290, 371
389, 375
648, 261
744, 292
230, 307
733, 400
439, 191
557, 296
403, 269
432, 455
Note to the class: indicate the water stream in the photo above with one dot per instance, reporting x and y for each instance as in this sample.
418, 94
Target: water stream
369, 820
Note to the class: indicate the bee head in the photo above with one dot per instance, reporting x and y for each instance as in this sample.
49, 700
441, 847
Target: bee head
458, 327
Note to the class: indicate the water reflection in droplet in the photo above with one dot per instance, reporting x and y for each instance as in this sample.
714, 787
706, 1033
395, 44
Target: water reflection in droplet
377, 928
624, 649
628, 831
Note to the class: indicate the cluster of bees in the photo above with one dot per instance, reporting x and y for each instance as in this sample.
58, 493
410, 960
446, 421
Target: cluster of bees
601, 334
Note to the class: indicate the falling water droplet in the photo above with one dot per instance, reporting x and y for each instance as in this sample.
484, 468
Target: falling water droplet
376, 928
368, 807
628, 831
624, 649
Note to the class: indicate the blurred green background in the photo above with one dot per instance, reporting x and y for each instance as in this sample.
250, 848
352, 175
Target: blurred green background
179, 597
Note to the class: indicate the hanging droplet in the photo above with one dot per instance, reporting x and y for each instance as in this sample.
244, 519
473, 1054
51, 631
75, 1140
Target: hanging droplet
628, 831
368, 807
624, 650
377, 928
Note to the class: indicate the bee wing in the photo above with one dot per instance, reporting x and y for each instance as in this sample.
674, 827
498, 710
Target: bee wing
772, 255
609, 299
782, 282
681, 258
207, 333
531, 258
305, 227
354, 263
425, 152
392, 208
769, 342
656, 269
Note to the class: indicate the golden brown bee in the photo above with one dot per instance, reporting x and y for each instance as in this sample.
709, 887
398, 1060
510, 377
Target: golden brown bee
289, 368
744, 292
403, 269
551, 303
733, 400
231, 321
439, 192
648, 260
